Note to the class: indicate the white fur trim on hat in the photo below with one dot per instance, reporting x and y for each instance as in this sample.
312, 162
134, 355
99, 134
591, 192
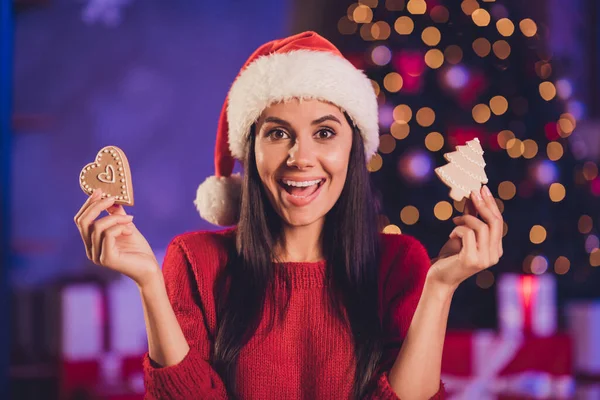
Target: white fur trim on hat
218, 199
301, 74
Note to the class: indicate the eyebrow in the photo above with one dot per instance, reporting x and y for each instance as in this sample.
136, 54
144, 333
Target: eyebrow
318, 121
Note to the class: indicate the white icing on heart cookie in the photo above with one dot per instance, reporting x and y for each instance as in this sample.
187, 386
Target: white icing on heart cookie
110, 172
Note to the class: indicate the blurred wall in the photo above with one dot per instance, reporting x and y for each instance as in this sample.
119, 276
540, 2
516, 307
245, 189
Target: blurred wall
154, 85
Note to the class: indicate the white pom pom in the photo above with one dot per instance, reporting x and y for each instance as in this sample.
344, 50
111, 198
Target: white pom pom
218, 199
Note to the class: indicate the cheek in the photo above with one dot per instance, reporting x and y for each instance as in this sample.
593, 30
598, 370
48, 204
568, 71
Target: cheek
336, 164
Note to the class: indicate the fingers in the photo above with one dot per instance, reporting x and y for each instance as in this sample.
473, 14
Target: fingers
482, 235
469, 246
489, 234
116, 209
98, 230
108, 244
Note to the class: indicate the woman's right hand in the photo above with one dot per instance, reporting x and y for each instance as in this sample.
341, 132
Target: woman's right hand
113, 241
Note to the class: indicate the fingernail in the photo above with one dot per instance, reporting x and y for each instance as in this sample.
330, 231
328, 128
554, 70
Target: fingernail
486, 191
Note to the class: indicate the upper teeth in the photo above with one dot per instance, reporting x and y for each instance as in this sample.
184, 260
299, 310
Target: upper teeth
301, 184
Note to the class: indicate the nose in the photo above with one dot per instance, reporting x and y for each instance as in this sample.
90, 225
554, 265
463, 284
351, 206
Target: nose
301, 155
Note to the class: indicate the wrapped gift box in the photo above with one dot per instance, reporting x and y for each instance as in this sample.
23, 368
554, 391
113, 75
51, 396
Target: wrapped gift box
487, 365
527, 304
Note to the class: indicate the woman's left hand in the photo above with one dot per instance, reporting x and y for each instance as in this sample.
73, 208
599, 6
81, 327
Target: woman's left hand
474, 245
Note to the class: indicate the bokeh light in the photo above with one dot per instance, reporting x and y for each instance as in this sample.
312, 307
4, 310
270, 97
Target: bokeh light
443, 210
409, 215
537, 234
434, 141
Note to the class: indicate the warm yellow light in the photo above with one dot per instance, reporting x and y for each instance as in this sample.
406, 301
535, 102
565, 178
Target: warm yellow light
387, 143
595, 258
505, 27
404, 25
555, 151
376, 87
394, 229
557, 192
362, 14
543, 69
416, 6
481, 17
562, 265
501, 49
504, 137
531, 148
375, 163
482, 47
431, 36
537, 234
409, 215
500, 204
507, 190
439, 14
380, 30
434, 58
453, 54
402, 113
400, 130
547, 90
566, 125
585, 224
434, 141
469, 6
443, 210
366, 33
499, 105
393, 82
481, 113
515, 148
528, 27
485, 279
425, 116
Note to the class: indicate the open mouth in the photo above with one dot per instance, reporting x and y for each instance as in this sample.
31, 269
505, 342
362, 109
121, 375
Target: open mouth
301, 189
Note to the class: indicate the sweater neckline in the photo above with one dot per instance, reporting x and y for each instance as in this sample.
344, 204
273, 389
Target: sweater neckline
303, 274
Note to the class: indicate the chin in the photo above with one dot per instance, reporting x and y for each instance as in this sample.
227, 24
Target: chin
301, 220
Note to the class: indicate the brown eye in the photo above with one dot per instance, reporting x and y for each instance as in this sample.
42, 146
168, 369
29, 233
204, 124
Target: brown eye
325, 134
277, 134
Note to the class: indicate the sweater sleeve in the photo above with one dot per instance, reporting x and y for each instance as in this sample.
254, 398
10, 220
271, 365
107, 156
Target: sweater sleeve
193, 377
402, 285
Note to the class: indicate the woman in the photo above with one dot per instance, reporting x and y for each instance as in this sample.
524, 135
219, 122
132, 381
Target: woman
303, 298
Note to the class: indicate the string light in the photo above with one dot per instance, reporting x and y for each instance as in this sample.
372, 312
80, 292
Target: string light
434, 58
498, 105
537, 234
531, 148
400, 130
443, 210
585, 224
387, 144
434, 141
482, 47
439, 14
416, 6
393, 82
481, 113
404, 25
547, 90
409, 215
453, 54
507, 190
425, 117
505, 27
431, 36
528, 27
562, 265
485, 279
402, 113
375, 163
393, 229
481, 17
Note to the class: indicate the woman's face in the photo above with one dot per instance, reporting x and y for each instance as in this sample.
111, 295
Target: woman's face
302, 150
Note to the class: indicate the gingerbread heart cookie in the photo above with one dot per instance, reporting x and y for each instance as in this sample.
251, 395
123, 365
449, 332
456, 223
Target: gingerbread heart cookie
465, 171
110, 172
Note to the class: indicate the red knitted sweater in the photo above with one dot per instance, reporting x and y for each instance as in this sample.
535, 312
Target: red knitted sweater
309, 356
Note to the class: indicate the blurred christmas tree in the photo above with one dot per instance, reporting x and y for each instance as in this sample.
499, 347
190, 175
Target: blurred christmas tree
448, 72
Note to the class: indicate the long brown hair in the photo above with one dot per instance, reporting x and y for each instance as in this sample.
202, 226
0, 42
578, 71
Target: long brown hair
351, 250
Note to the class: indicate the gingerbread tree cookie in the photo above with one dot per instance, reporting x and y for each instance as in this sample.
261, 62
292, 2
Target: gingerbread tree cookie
465, 171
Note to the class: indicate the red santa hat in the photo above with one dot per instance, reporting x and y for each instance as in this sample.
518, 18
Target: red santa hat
305, 66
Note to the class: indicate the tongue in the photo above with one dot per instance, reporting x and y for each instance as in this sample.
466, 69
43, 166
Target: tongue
302, 191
